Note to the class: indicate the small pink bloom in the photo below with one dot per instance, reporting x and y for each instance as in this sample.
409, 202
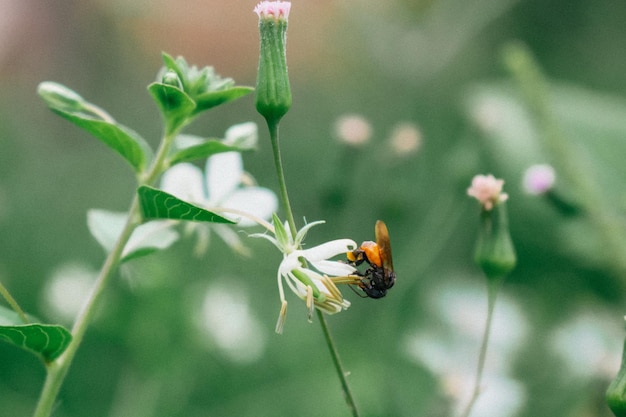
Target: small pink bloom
487, 190
275, 9
539, 179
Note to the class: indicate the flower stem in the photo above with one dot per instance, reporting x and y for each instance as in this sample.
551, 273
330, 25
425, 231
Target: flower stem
57, 369
337, 362
492, 292
282, 185
14, 305
284, 197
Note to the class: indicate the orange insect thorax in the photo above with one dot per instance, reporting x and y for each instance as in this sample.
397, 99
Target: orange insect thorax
372, 252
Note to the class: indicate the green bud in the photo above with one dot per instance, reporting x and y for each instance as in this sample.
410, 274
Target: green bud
273, 93
59, 96
495, 253
171, 78
616, 393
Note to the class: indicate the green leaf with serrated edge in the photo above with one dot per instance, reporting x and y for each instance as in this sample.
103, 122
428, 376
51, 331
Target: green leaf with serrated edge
106, 227
71, 106
203, 150
157, 204
215, 98
45, 340
175, 105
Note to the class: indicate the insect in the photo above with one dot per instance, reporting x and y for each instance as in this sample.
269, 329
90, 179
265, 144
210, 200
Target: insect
379, 276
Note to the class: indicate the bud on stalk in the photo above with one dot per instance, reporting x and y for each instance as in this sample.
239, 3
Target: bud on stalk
273, 93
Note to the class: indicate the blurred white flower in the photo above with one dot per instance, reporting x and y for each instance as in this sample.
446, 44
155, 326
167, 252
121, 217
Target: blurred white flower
406, 139
226, 318
316, 286
588, 346
222, 187
67, 290
451, 350
353, 129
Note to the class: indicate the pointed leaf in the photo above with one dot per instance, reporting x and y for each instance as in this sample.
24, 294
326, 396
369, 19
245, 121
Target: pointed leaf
175, 105
45, 340
66, 103
106, 227
215, 98
204, 150
157, 204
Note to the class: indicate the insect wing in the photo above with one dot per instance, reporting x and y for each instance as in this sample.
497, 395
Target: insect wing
384, 245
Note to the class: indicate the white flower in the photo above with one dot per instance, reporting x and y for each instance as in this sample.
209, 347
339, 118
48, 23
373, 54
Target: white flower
316, 285
353, 129
487, 190
221, 188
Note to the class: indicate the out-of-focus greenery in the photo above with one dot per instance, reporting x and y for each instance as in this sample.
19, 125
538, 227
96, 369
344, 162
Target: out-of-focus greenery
158, 347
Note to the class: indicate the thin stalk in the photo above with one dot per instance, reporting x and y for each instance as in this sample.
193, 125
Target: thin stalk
282, 185
14, 305
284, 197
57, 369
492, 292
338, 366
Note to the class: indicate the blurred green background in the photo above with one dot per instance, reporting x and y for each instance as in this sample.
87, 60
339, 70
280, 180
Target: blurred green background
180, 335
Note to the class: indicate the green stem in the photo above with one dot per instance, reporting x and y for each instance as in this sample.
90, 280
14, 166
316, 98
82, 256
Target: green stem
492, 292
338, 366
284, 197
282, 185
14, 305
57, 369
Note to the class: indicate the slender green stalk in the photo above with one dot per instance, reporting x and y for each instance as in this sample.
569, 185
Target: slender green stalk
337, 362
57, 369
14, 305
492, 292
284, 197
282, 185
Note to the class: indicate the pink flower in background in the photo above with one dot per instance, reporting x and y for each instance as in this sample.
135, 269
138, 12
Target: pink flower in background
487, 190
539, 179
276, 9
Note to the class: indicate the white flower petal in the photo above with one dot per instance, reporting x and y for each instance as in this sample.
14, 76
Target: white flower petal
333, 268
223, 175
244, 134
288, 264
258, 201
329, 249
185, 181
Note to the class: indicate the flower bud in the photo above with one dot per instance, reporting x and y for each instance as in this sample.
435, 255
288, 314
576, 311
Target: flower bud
171, 78
616, 393
273, 93
495, 253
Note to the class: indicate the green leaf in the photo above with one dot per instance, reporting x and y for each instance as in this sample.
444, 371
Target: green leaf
106, 227
66, 103
157, 204
203, 150
45, 340
215, 98
175, 105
